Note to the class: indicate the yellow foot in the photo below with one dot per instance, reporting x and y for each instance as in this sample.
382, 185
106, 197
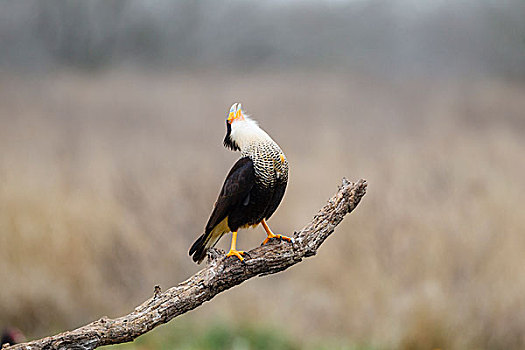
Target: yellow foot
279, 237
237, 253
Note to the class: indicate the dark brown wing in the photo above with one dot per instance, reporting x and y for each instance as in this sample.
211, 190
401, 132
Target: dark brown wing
276, 199
235, 190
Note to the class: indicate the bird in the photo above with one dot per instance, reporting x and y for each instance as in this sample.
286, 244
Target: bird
252, 190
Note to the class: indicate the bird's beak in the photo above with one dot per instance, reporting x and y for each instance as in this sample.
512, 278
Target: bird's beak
235, 113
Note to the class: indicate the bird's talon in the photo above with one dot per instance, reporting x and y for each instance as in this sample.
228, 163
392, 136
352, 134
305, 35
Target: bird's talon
279, 237
285, 238
268, 239
237, 253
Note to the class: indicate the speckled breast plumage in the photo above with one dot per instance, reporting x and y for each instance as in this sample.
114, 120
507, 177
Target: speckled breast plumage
269, 162
271, 177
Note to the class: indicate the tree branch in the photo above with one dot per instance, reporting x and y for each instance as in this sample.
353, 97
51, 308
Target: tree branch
220, 274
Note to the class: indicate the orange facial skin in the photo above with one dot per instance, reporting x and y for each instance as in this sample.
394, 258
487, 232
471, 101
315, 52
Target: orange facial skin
235, 114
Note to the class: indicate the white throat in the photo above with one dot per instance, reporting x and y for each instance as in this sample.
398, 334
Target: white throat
246, 132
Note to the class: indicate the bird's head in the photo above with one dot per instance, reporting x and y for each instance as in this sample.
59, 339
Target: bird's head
240, 129
236, 113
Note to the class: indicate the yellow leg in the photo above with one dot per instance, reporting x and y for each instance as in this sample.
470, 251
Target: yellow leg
233, 250
272, 235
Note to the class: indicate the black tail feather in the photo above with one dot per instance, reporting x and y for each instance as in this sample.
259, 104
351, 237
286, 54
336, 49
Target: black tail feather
198, 249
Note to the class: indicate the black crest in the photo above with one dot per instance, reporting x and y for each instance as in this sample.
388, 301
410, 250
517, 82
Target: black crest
228, 142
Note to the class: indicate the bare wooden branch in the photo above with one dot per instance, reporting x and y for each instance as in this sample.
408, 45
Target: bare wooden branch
220, 274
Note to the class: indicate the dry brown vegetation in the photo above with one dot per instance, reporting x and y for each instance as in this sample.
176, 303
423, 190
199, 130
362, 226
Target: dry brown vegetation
106, 179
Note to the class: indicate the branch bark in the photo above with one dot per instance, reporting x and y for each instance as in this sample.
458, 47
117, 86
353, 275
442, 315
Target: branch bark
219, 275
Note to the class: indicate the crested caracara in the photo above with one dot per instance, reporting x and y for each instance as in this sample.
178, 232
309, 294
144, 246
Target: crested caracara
253, 188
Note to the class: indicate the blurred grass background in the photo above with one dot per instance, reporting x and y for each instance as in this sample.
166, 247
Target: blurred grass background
108, 172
